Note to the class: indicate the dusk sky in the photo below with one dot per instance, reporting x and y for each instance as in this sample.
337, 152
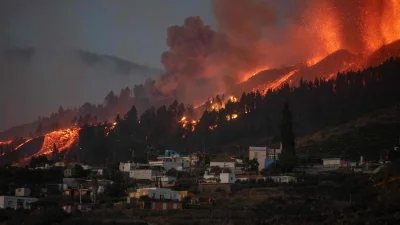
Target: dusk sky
131, 29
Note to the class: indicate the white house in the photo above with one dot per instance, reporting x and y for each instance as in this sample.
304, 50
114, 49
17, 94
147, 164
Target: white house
167, 165
283, 179
128, 166
227, 178
20, 200
223, 162
331, 162
22, 192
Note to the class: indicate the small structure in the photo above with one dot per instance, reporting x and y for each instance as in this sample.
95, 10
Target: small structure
283, 179
265, 155
148, 173
160, 194
171, 159
17, 202
331, 162
223, 162
70, 172
128, 166
22, 192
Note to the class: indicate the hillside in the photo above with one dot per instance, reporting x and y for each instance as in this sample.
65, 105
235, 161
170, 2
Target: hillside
368, 136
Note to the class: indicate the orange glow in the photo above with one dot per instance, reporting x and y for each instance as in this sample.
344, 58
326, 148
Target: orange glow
313, 61
278, 82
233, 116
233, 99
251, 74
63, 139
6, 142
381, 27
185, 122
26, 141
112, 127
212, 127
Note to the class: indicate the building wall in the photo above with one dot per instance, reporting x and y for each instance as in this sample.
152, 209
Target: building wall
146, 174
259, 153
334, 162
15, 202
230, 165
22, 192
283, 179
160, 193
227, 178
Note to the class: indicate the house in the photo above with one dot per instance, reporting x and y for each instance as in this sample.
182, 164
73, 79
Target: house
21, 200
145, 173
331, 162
70, 172
97, 170
247, 177
72, 182
225, 177
265, 155
283, 179
22, 192
223, 162
156, 193
167, 181
128, 166
171, 159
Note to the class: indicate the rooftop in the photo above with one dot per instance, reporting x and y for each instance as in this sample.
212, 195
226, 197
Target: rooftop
222, 158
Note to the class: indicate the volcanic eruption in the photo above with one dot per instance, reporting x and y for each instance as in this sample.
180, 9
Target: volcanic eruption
254, 35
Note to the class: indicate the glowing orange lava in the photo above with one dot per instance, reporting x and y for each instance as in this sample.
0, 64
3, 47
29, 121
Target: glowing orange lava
313, 61
185, 122
19, 146
251, 74
6, 142
278, 82
63, 139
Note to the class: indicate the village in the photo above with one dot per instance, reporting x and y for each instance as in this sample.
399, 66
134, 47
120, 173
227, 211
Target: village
173, 181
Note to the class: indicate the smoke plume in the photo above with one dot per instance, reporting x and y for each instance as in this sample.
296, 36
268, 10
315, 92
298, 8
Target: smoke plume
254, 35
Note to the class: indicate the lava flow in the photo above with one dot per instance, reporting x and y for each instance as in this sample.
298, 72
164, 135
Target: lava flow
280, 81
62, 139
23, 143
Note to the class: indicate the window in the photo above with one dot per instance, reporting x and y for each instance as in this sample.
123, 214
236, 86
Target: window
154, 195
10, 204
256, 155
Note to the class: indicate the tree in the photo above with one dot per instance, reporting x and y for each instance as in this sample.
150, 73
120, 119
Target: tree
39, 161
250, 165
55, 149
287, 159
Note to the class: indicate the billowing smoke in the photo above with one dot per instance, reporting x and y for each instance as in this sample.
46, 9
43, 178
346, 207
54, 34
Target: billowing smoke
253, 35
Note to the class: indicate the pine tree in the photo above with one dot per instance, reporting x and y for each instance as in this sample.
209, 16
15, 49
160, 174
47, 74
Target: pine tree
287, 159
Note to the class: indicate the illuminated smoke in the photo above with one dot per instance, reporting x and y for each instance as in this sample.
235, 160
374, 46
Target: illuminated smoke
254, 35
